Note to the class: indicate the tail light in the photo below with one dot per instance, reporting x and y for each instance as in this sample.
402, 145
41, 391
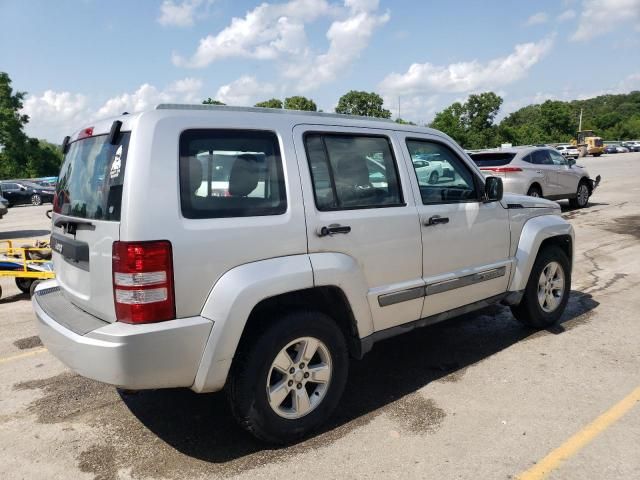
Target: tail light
502, 169
143, 282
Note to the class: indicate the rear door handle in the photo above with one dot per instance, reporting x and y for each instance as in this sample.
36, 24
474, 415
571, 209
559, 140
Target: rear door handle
436, 220
333, 229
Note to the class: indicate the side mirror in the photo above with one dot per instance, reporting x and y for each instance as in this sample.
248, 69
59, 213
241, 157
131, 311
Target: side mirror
572, 161
493, 189
23, 189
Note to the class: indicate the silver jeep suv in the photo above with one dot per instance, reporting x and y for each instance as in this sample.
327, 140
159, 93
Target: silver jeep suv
538, 172
258, 250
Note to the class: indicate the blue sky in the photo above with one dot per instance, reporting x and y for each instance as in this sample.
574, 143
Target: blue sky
85, 59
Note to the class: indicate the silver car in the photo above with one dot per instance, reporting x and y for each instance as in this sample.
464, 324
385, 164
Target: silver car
538, 172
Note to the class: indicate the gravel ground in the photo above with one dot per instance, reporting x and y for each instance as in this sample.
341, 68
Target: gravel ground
475, 397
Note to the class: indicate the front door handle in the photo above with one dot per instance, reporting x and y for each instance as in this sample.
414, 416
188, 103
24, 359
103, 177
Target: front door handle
334, 228
436, 220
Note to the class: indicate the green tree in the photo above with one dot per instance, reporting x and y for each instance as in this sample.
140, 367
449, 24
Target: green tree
366, 104
13, 140
271, 103
21, 156
402, 121
471, 124
211, 101
300, 103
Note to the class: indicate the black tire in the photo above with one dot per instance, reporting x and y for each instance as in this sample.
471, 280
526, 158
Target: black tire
33, 286
529, 311
250, 373
36, 199
433, 178
582, 196
24, 284
534, 191
0, 292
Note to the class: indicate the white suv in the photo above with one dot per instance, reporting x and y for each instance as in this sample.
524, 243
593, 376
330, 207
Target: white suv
257, 250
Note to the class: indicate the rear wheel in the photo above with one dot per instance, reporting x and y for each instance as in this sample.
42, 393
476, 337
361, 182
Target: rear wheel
287, 381
24, 284
36, 199
534, 191
582, 196
547, 291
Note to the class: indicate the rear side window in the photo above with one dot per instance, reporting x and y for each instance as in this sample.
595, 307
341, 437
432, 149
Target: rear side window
352, 171
231, 173
541, 157
492, 159
91, 178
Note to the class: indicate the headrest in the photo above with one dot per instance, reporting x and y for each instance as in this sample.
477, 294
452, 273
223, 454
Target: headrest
353, 171
195, 174
243, 178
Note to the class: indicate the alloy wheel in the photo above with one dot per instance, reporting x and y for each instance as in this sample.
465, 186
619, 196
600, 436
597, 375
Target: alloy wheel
551, 286
299, 378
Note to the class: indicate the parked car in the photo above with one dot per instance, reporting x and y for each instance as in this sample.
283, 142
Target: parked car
326, 240
4, 207
610, 149
539, 172
633, 145
622, 149
25, 193
568, 151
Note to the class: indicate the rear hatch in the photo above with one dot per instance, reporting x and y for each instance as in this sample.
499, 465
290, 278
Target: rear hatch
494, 164
86, 219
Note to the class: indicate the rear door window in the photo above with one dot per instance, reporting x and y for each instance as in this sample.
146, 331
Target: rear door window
351, 171
231, 173
91, 178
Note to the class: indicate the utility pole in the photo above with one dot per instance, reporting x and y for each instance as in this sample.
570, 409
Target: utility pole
580, 124
399, 106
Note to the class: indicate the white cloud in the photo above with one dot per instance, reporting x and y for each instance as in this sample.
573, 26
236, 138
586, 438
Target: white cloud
178, 14
347, 39
566, 16
537, 19
56, 114
266, 32
601, 16
52, 112
244, 91
467, 76
276, 31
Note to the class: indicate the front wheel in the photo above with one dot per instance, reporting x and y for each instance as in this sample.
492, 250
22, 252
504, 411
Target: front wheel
582, 196
534, 191
36, 199
288, 381
547, 291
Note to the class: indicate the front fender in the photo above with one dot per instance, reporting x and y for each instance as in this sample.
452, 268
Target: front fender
535, 231
230, 303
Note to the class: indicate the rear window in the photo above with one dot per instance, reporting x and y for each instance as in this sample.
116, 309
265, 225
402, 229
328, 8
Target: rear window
91, 178
496, 159
231, 173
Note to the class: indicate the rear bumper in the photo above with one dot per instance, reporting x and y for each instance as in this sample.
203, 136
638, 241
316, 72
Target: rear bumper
156, 355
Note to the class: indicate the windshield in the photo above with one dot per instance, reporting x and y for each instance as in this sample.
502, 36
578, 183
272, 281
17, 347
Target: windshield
91, 178
492, 159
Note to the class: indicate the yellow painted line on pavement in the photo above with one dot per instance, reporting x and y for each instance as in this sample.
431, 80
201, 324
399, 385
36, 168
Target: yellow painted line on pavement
22, 355
577, 442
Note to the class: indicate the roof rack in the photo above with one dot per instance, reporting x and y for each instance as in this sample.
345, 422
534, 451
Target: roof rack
278, 111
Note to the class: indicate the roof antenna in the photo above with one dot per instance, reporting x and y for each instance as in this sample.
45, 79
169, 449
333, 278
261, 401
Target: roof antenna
125, 113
